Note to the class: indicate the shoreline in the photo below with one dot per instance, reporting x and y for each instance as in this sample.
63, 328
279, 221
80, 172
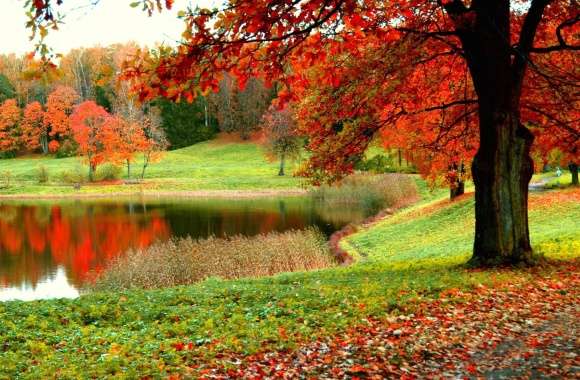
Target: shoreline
216, 194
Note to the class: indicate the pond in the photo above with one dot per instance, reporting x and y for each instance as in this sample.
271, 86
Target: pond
49, 249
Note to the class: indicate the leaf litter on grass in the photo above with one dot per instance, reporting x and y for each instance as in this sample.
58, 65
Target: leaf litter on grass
525, 327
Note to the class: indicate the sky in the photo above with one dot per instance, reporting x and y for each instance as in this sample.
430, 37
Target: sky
108, 22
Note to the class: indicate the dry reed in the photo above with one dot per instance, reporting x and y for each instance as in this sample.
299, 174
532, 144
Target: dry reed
185, 261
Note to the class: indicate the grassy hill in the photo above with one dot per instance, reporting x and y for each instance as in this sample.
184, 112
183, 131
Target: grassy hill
212, 165
406, 259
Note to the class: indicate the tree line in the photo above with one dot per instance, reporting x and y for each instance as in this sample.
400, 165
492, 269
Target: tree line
93, 73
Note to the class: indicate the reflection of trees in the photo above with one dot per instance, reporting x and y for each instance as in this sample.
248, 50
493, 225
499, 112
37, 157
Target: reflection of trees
81, 237
339, 215
35, 240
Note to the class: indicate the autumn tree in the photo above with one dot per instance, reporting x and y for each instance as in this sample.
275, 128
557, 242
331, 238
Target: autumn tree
282, 136
34, 130
155, 143
9, 127
94, 133
29, 79
59, 106
186, 123
125, 139
239, 106
7, 90
516, 55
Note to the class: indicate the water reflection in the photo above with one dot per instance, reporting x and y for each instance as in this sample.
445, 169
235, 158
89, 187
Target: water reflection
49, 249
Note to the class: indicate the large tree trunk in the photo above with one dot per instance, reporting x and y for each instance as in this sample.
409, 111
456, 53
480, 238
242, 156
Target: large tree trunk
502, 167
573, 167
502, 170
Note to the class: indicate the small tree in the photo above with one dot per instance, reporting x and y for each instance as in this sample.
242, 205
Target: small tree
59, 106
93, 130
9, 133
280, 130
34, 130
129, 138
155, 142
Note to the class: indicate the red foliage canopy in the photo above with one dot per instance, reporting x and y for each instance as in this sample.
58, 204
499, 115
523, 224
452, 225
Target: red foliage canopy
381, 64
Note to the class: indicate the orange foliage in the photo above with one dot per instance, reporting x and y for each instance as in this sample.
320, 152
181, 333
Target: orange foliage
59, 106
94, 132
9, 119
34, 130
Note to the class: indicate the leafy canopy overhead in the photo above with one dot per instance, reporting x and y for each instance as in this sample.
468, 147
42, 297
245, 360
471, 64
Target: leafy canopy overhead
369, 65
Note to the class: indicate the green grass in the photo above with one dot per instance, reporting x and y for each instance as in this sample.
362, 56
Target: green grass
209, 165
419, 251
553, 181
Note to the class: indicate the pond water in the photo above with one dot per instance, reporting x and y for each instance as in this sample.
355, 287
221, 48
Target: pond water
48, 249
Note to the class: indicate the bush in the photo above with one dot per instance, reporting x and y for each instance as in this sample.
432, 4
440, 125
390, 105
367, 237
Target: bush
185, 261
381, 164
66, 149
6, 155
108, 172
5, 178
74, 176
372, 192
42, 175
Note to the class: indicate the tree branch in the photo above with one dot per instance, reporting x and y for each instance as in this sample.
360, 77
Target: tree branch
562, 45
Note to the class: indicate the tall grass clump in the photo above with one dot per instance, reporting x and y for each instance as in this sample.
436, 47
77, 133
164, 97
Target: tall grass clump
185, 261
372, 192
42, 175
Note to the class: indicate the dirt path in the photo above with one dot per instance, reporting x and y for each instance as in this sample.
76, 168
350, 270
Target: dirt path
540, 185
519, 330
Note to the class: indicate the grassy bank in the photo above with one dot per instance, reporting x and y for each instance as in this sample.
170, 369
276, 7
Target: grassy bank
212, 165
410, 257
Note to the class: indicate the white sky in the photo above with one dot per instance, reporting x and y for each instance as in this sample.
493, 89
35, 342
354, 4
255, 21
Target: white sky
110, 21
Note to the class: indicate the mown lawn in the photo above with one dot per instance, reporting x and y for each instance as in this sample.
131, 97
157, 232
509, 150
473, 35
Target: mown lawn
410, 257
212, 165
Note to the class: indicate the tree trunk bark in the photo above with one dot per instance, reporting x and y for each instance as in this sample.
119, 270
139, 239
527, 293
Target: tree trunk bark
282, 161
502, 170
145, 164
44, 143
456, 190
573, 167
92, 170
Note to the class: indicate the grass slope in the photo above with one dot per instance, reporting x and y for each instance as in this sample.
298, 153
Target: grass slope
410, 257
212, 165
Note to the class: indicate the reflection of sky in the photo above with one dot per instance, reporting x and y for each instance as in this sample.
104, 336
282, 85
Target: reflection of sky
56, 286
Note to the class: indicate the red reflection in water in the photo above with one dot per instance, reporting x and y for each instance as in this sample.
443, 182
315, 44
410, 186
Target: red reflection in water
35, 240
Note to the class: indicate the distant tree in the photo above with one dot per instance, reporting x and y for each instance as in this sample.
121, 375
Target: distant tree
281, 132
27, 77
7, 90
94, 133
103, 95
155, 140
83, 67
34, 130
9, 128
127, 139
239, 107
59, 106
186, 123
561, 147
